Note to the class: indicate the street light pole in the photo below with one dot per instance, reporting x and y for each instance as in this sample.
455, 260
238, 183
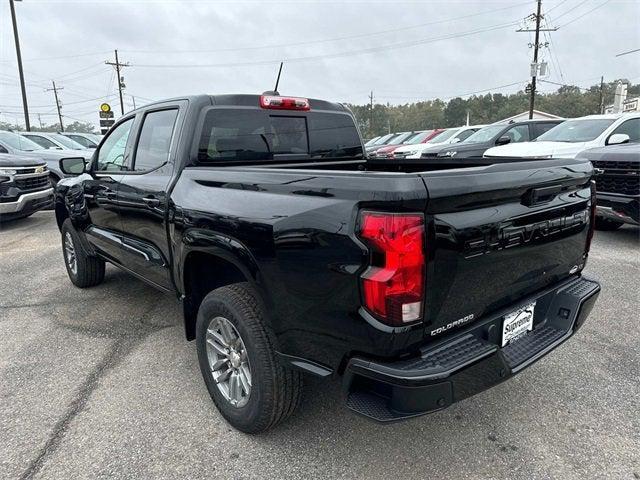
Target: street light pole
20, 71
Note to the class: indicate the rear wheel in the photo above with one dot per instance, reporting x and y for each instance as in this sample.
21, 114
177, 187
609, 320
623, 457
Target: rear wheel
250, 387
607, 224
83, 270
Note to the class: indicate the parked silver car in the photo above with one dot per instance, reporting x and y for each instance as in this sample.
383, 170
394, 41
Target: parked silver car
16, 144
53, 141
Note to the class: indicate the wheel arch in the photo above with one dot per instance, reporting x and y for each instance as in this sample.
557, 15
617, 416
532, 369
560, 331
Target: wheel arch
204, 271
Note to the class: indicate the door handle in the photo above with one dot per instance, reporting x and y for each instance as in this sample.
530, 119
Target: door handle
151, 201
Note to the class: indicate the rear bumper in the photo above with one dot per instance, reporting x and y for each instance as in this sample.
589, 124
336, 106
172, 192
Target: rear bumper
621, 208
27, 203
470, 362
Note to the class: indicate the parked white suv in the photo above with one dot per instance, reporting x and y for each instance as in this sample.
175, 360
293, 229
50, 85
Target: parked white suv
573, 136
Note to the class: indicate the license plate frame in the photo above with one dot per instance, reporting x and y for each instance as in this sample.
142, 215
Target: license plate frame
517, 323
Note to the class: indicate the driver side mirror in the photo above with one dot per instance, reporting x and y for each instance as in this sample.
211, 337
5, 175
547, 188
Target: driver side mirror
618, 138
73, 166
455, 140
503, 140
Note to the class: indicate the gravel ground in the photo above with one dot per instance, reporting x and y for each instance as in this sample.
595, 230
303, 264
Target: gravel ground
101, 384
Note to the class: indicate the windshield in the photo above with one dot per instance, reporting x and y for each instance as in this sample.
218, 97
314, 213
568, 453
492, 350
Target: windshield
444, 136
576, 130
418, 138
485, 134
383, 139
400, 138
66, 142
19, 142
371, 142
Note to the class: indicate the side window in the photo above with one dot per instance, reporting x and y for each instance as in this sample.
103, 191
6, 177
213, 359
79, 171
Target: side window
462, 136
43, 142
81, 140
538, 129
155, 139
519, 133
630, 127
111, 155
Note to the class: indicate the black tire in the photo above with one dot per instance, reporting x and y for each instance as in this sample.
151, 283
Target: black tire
89, 270
607, 224
276, 390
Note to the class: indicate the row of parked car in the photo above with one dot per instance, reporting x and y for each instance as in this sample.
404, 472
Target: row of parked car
610, 142
548, 138
30, 167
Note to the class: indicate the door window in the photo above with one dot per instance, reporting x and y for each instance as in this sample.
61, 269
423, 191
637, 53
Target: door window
538, 129
42, 141
519, 133
85, 142
111, 156
462, 136
155, 139
630, 127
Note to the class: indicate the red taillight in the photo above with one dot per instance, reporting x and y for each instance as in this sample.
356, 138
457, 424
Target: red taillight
284, 103
393, 285
592, 217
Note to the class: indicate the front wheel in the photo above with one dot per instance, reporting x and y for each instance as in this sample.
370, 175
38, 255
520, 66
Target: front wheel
606, 224
250, 387
83, 270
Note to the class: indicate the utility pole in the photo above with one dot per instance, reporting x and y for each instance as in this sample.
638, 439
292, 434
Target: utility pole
20, 71
134, 101
117, 64
371, 114
58, 106
40, 122
601, 95
536, 45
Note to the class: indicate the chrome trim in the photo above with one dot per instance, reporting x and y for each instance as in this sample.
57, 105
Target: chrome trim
18, 205
31, 175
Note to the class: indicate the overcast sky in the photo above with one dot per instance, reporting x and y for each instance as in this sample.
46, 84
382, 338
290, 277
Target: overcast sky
339, 50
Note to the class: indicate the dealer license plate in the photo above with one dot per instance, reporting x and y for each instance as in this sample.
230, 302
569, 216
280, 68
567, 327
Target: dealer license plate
518, 323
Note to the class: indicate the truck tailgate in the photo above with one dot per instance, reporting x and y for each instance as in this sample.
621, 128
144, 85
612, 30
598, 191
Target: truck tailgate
500, 232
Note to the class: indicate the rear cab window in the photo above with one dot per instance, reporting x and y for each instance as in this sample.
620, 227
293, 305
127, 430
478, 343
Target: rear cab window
232, 135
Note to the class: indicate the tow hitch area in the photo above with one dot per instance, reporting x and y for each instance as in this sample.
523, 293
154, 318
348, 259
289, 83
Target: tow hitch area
471, 361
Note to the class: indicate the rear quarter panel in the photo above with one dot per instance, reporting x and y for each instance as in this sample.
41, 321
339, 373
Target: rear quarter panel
292, 233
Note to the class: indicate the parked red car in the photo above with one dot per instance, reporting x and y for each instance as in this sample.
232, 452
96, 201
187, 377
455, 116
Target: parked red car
418, 137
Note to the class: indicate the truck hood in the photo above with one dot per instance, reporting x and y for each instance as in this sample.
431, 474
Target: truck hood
538, 150
8, 160
58, 154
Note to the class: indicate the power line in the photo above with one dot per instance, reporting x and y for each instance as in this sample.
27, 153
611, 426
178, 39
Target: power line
333, 39
557, 5
337, 54
626, 53
458, 95
584, 14
571, 9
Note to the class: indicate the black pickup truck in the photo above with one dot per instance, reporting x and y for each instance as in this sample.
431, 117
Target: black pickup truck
617, 185
292, 254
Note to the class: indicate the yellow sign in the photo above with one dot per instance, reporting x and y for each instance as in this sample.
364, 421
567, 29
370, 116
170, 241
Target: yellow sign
105, 107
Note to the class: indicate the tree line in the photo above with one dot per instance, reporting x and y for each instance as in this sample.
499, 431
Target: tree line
80, 127
568, 101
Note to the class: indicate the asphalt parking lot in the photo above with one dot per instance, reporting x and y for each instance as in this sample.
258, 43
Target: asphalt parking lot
100, 383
